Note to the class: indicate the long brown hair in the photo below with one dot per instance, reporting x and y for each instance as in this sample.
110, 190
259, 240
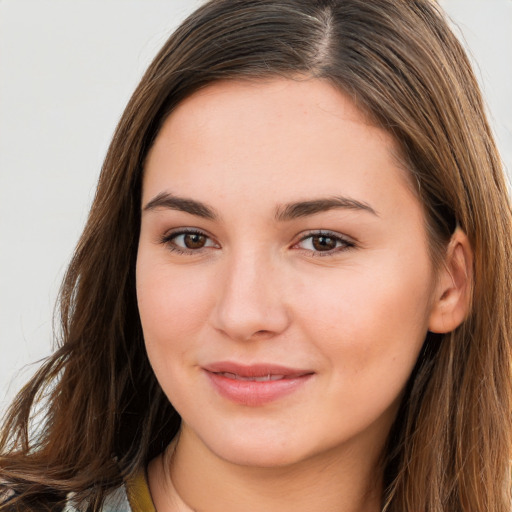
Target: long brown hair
103, 415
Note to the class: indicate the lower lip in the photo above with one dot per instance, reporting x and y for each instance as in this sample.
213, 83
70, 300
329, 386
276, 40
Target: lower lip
255, 393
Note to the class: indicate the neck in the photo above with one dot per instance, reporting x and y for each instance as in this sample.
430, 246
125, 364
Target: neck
190, 478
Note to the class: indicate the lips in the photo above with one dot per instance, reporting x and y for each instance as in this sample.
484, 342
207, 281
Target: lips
263, 378
257, 384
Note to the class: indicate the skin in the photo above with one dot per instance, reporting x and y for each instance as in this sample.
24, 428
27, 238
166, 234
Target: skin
262, 288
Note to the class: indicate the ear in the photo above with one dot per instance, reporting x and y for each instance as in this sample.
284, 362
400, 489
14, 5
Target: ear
452, 295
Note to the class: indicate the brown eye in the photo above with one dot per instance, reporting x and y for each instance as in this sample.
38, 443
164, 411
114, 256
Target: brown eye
188, 241
324, 243
194, 240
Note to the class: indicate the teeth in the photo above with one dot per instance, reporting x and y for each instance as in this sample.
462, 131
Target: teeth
264, 378
267, 377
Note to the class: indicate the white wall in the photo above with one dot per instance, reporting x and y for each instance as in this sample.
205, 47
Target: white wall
486, 28
67, 69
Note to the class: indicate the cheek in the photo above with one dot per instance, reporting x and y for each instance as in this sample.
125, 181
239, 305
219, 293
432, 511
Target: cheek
173, 308
369, 322
370, 337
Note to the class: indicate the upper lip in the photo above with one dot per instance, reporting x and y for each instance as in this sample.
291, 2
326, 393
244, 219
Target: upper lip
255, 370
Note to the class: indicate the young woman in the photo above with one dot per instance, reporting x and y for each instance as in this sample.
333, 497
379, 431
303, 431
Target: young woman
292, 289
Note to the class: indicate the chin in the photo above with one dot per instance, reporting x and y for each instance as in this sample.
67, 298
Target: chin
258, 448
261, 456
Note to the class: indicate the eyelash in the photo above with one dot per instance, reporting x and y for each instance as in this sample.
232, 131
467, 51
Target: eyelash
346, 244
168, 238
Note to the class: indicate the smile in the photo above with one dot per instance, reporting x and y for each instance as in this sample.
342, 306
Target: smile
264, 378
255, 385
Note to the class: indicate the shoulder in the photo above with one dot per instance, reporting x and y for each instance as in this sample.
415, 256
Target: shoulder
116, 501
138, 494
133, 496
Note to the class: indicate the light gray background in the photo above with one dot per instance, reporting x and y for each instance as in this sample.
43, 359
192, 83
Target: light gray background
67, 68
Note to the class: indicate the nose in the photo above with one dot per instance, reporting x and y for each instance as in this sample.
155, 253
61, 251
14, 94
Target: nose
251, 301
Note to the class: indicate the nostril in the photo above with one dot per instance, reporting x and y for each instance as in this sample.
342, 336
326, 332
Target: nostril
262, 333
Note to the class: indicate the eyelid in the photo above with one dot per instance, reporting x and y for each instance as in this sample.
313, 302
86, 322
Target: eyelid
168, 236
348, 242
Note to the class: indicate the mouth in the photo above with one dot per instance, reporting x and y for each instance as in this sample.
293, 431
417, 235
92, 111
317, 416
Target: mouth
257, 384
263, 378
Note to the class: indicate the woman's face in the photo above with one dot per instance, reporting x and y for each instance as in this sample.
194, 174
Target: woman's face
283, 273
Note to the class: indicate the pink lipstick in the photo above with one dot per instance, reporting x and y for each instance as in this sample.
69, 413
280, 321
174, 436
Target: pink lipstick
255, 384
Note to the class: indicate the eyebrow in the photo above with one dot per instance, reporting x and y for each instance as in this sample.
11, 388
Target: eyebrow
283, 213
183, 204
304, 208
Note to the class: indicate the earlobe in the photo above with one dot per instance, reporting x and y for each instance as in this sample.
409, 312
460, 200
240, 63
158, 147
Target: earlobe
452, 296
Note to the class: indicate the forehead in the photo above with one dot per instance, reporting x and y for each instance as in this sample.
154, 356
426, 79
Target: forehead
272, 138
